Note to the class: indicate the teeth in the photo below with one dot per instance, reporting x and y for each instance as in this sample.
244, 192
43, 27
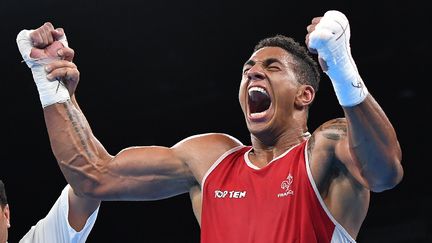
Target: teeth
257, 114
259, 89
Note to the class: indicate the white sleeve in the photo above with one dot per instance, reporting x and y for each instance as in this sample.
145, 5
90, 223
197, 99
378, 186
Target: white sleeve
55, 228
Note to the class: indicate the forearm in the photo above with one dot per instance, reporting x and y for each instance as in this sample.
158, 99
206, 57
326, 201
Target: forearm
150, 173
374, 145
371, 152
80, 156
145, 173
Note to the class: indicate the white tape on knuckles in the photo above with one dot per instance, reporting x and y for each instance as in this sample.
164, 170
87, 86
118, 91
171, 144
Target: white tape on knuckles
331, 40
50, 92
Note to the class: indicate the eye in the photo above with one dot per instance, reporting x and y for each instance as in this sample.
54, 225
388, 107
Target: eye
273, 68
246, 69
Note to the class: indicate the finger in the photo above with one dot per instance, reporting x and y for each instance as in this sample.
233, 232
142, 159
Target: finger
43, 36
57, 33
310, 28
39, 36
36, 38
316, 20
49, 35
64, 74
49, 68
311, 50
66, 53
49, 25
48, 38
37, 53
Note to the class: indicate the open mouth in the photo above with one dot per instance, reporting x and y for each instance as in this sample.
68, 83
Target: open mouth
259, 101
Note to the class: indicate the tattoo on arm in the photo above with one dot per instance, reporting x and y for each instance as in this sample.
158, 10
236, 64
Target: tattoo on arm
335, 129
78, 127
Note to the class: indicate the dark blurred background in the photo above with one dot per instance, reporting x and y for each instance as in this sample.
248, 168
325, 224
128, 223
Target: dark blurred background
154, 72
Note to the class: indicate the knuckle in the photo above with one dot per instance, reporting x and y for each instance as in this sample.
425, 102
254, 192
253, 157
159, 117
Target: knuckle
48, 25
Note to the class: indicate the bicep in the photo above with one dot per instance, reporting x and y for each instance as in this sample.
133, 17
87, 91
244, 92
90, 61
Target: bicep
332, 149
144, 173
343, 153
342, 150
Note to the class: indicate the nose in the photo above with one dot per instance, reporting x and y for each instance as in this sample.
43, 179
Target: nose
256, 72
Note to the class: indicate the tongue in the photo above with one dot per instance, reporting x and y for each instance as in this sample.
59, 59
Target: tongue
258, 102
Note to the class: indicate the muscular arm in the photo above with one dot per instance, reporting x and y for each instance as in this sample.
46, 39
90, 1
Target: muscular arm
135, 173
364, 142
371, 151
351, 156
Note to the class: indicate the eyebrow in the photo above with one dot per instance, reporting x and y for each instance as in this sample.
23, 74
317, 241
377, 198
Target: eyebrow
266, 62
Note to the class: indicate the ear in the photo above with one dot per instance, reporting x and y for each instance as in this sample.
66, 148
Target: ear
305, 95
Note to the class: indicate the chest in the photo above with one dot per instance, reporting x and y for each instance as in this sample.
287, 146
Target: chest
236, 181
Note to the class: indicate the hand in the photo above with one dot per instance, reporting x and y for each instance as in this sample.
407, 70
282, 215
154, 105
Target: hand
43, 46
46, 41
329, 37
64, 70
310, 28
46, 44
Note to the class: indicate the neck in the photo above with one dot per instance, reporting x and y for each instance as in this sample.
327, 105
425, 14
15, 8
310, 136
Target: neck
278, 145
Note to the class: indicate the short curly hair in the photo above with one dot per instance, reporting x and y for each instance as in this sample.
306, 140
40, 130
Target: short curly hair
306, 67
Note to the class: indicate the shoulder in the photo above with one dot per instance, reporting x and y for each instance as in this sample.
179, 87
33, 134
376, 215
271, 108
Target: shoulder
210, 140
329, 133
333, 129
201, 151
205, 147
325, 139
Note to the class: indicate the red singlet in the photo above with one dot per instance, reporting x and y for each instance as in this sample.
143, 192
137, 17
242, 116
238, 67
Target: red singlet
278, 203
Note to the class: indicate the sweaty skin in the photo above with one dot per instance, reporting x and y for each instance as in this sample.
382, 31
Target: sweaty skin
349, 157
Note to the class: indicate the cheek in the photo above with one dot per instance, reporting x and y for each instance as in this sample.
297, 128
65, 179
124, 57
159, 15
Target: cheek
242, 95
285, 96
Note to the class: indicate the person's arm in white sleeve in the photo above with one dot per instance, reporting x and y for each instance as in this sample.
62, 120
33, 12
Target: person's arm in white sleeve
70, 220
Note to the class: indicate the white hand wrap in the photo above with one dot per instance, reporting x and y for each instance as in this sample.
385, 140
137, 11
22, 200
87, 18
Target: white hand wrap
50, 92
331, 40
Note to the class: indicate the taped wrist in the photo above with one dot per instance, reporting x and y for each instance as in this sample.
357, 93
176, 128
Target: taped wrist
50, 92
331, 40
